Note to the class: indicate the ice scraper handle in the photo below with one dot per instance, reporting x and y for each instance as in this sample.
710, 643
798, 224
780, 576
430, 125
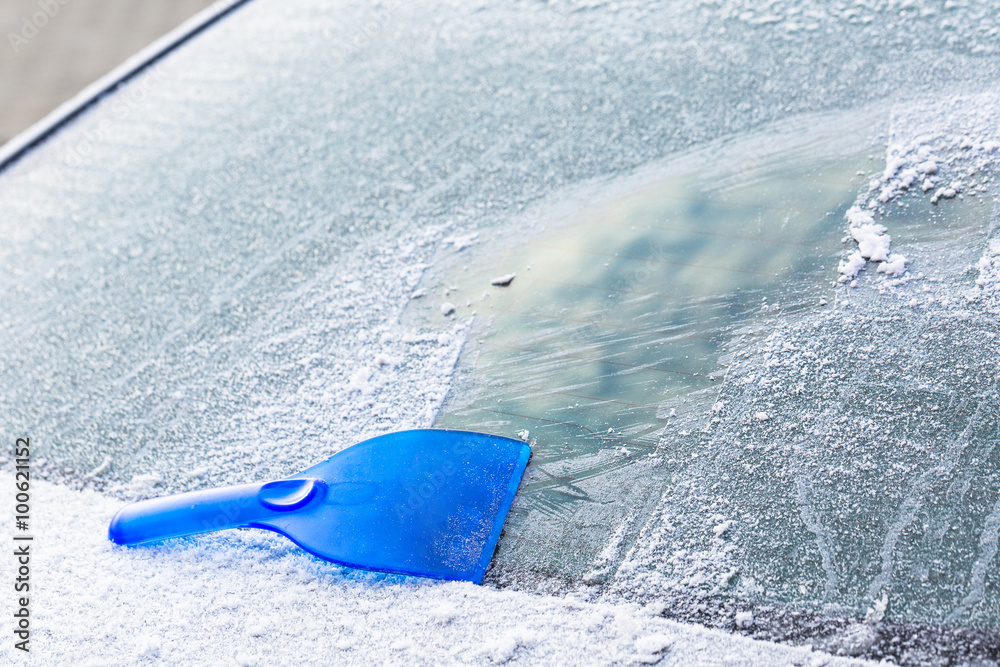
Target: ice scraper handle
212, 509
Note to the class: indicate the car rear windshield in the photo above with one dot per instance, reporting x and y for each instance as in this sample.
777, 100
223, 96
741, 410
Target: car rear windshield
732, 272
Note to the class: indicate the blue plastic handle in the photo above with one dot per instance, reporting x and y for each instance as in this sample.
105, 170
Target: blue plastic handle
213, 509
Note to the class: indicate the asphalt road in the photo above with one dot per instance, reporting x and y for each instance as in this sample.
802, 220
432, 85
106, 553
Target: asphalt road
52, 49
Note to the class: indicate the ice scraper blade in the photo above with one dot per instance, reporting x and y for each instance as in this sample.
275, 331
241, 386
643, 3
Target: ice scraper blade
426, 502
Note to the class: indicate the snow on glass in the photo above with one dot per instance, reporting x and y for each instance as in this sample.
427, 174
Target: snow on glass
225, 283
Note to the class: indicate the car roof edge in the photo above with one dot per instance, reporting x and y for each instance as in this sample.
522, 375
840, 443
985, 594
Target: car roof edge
23, 142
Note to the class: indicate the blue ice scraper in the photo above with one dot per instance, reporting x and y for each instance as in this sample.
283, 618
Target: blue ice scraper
427, 502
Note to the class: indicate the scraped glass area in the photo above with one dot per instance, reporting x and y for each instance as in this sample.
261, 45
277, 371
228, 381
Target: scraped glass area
618, 321
715, 426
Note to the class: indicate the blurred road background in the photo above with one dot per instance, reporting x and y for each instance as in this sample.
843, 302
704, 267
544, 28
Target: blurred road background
52, 49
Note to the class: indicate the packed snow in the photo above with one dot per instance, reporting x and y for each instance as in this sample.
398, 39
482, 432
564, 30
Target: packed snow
988, 280
250, 597
503, 281
950, 145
